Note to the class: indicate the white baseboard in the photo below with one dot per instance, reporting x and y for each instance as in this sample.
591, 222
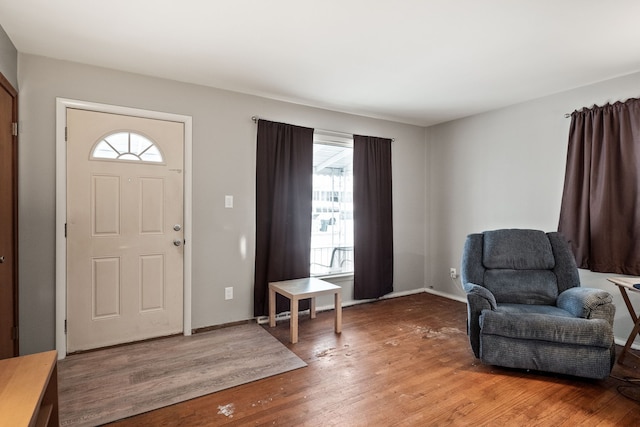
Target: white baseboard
621, 342
287, 315
445, 295
365, 301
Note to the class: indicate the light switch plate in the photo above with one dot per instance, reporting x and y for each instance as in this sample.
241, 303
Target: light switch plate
228, 201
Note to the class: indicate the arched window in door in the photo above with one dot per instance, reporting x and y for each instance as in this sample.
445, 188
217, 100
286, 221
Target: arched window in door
127, 146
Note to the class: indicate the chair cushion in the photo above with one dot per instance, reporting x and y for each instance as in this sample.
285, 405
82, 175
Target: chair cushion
545, 323
517, 250
522, 286
518, 309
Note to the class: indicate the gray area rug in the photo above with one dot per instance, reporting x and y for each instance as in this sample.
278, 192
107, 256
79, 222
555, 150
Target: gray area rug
111, 384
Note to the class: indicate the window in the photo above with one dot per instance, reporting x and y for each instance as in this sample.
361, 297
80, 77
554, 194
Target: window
353, 176
127, 146
332, 205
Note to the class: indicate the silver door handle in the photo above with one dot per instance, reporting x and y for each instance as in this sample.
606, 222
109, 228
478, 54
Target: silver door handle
177, 242
2, 259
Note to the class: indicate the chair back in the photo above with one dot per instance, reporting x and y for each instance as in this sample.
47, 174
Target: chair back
520, 266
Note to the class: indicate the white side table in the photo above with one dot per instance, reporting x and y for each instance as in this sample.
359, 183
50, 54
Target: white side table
298, 289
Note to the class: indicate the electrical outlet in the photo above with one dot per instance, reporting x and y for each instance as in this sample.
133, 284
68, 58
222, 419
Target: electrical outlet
453, 273
228, 293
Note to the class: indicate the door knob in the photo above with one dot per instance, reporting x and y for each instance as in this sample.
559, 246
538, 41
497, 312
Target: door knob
1, 259
177, 227
177, 242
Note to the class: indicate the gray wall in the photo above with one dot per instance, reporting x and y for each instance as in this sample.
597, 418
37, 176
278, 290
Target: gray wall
8, 59
500, 169
506, 169
223, 163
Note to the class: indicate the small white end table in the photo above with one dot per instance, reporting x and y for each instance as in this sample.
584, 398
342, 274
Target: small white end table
305, 288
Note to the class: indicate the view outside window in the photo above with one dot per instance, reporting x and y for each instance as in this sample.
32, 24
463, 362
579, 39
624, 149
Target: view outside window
332, 216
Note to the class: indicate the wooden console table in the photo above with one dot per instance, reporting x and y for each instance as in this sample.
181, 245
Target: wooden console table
298, 289
624, 284
29, 390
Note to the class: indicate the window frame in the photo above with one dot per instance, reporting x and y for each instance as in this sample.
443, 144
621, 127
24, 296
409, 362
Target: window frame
337, 139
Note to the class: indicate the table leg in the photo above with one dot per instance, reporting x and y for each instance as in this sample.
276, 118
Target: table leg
627, 302
272, 307
627, 346
338, 310
313, 307
636, 328
294, 321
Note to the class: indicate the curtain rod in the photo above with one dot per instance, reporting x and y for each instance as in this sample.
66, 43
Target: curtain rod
256, 118
609, 103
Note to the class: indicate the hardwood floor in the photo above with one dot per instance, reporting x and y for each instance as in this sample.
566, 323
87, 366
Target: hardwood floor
404, 362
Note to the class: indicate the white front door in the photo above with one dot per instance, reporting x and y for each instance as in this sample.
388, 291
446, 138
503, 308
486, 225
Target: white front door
124, 228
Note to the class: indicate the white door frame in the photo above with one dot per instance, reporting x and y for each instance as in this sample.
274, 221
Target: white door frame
61, 205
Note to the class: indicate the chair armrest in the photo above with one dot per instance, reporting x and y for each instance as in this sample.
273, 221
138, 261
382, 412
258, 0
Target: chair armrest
588, 303
478, 298
482, 297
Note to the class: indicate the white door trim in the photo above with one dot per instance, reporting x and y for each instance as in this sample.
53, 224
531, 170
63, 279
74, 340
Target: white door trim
61, 205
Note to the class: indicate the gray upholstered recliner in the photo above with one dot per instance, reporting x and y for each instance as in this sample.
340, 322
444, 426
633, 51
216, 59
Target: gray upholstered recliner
526, 307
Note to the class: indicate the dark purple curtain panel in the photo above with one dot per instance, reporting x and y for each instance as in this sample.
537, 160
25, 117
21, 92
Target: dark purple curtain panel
373, 217
284, 173
600, 213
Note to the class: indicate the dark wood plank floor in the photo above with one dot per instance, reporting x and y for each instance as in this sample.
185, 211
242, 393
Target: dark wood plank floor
404, 362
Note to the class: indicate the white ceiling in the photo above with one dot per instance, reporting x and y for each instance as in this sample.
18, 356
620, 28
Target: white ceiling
419, 62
